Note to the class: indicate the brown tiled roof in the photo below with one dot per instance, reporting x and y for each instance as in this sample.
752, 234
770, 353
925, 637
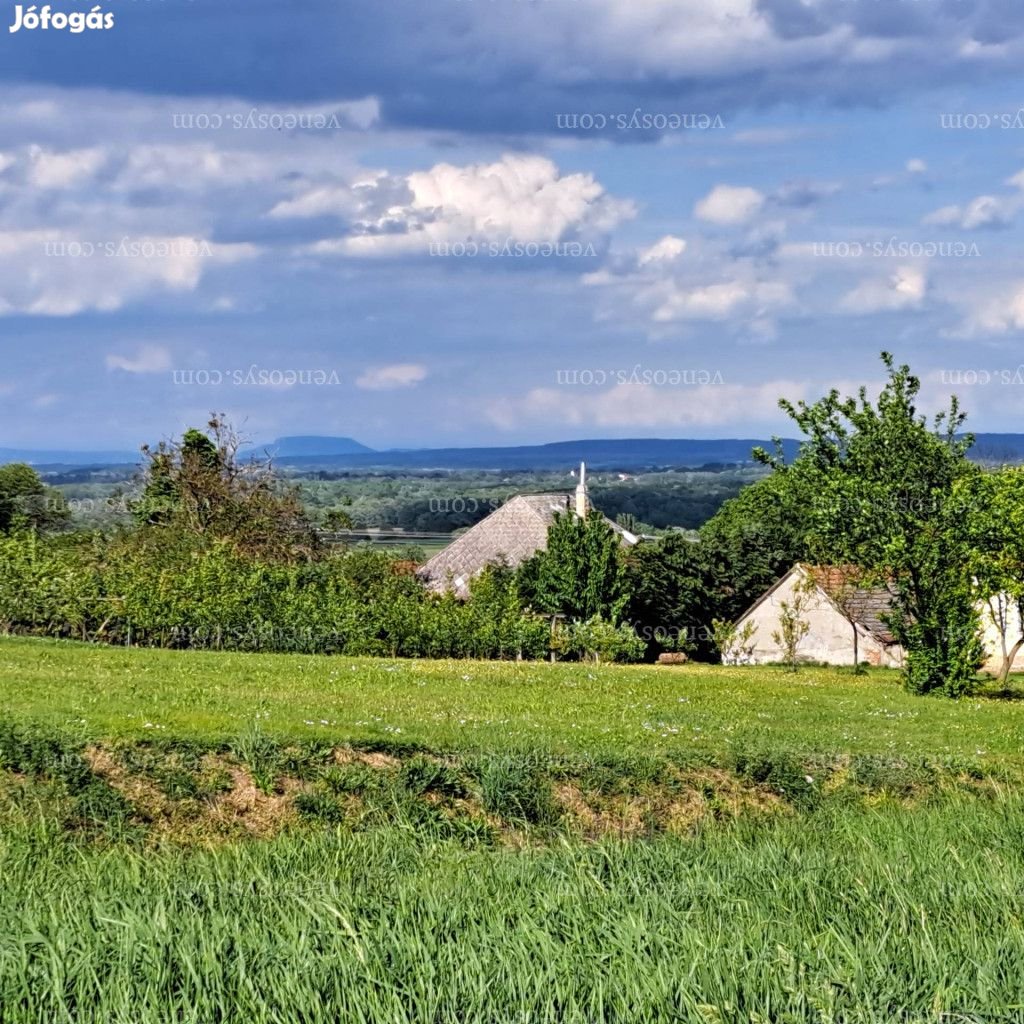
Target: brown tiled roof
514, 532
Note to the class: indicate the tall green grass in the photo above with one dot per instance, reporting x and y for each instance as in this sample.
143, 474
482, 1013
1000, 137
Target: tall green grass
846, 915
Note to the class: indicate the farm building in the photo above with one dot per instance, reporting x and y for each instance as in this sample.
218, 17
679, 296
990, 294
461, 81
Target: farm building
513, 533
830, 638
833, 605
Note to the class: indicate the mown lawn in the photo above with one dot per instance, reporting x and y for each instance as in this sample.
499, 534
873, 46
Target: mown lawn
112, 693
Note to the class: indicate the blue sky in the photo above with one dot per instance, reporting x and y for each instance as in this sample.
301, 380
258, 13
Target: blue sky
211, 187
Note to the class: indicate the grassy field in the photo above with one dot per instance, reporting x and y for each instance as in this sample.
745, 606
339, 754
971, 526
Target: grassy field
103, 692
240, 838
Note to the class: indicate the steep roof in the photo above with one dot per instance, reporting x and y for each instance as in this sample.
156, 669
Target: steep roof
514, 532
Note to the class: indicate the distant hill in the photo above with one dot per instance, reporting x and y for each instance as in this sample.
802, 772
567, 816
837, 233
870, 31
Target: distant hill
311, 453
301, 447
639, 453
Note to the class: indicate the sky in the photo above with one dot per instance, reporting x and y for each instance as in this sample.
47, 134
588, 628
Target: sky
426, 223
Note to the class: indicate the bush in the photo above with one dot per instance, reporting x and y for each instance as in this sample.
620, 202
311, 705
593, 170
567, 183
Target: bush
596, 640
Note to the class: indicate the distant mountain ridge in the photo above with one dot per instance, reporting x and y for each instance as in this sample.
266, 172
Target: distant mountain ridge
311, 452
630, 453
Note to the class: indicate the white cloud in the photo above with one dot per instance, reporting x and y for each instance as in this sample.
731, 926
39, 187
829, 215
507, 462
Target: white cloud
51, 170
728, 204
983, 211
42, 274
916, 166
147, 359
520, 198
668, 248
904, 289
722, 300
388, 378
710, 285
996, 314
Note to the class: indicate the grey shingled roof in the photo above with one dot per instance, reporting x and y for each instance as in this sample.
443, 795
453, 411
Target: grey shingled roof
867, 605
514, 532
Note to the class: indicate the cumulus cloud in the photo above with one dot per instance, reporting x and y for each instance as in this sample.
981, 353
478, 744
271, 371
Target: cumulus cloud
904, 289
657, 284
147, 359
729, 204
520, 198
668, 248
389, 378
42, 273
984, 211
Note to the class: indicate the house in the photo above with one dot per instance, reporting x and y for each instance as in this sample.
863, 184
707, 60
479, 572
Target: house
830, 639
514, 532
833, 605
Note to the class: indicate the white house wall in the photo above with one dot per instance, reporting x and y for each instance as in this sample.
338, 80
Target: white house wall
829, 639
992, 640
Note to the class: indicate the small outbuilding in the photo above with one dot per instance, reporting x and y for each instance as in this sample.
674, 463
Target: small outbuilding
835, 604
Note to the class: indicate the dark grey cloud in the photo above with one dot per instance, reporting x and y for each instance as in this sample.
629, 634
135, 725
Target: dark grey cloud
507, 66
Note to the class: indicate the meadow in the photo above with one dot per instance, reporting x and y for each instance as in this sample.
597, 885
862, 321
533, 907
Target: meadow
199, 837
105, 692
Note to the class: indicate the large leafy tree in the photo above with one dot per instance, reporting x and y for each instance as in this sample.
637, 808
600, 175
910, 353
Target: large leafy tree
754, 539
580, 574
669, 606
884, 481
26, 503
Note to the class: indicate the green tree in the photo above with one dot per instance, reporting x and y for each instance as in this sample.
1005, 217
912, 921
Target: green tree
581, 573
26, 503
201, 489
338, 520
793, 627
668, 605
754, 539
884, 482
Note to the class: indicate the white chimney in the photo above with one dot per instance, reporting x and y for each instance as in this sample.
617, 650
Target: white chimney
581, 493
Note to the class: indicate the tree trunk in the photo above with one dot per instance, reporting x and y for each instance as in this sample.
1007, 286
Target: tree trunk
1008, 659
